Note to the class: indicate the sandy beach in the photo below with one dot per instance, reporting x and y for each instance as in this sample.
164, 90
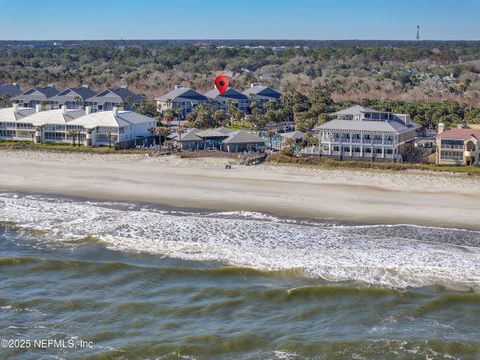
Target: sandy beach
423, 198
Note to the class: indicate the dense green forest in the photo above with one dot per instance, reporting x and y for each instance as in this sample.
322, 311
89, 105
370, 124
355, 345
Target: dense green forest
433, 81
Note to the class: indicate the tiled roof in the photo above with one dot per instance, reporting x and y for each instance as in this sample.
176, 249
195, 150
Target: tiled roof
459, 134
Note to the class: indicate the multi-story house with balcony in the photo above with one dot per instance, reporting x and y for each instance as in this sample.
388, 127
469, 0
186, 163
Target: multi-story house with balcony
120, 97
37, 96
460, 146
366, 134
182, 98
263, 94
73, 98
240, 100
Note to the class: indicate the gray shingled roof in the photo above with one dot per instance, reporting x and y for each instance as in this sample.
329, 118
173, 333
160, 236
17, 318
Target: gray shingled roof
115, 95
37, 94
243, 137
188, 135
71, 93
182, 94
230, 93
9, 89
263, 92
220, 132
365, 125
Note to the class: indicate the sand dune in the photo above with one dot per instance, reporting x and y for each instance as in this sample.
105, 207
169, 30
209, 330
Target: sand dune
422, 198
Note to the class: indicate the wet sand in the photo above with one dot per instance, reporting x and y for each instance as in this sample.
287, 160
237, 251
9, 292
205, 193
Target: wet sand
363, 196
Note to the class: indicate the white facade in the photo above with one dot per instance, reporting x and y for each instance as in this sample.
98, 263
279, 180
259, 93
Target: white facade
362, 133
68, 126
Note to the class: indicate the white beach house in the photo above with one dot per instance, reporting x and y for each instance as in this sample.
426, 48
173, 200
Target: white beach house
362, 133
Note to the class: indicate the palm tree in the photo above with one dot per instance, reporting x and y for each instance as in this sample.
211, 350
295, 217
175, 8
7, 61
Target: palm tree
180, 131
161, 131
271, 134
78, 101
43, 104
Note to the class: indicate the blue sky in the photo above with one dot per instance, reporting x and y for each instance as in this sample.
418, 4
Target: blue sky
240, 19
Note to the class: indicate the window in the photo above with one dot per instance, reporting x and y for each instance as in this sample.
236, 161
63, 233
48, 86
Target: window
452, 144
452, 155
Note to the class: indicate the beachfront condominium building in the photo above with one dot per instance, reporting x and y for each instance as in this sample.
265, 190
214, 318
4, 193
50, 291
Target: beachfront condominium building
239, 100
263, 94
14, 124
460, 146
114, 127
120, 97
121, 127
182, 99
37, 96
73, 98
362, 133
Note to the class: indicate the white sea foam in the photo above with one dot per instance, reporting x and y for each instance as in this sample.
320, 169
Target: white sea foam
393, 256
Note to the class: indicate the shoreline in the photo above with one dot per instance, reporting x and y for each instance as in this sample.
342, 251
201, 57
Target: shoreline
353, 196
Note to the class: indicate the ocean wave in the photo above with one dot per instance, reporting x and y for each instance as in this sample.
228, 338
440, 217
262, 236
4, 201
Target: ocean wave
398, 256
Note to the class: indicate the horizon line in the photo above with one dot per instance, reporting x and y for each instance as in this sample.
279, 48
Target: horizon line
236, 39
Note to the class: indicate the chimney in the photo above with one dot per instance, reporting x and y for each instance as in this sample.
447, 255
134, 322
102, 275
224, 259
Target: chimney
38, 108
50, 85
86, 86
16, 107
115, 111
124, 87
253, 85
88, 110
441, 128
64, 109
178, 87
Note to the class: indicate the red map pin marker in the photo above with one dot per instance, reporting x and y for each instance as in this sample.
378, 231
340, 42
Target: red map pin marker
222, 83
